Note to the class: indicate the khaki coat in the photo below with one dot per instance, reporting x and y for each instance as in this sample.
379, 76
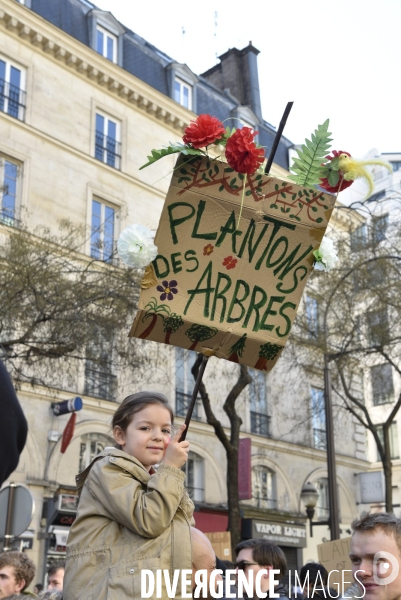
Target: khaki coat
127, 520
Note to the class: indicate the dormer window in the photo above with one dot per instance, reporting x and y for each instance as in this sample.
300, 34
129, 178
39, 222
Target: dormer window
106, 43
183, 93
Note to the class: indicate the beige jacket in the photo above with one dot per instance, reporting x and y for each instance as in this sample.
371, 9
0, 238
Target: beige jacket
127, 520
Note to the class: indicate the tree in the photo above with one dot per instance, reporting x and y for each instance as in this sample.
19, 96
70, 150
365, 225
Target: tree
59, 307
230, 442
352, 315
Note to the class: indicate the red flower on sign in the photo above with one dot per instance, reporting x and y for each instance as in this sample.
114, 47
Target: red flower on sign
208, 250
229, 262
342, 184
241, 152
203, 131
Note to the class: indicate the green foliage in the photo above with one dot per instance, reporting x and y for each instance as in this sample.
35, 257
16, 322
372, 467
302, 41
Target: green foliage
307, 168
172, 149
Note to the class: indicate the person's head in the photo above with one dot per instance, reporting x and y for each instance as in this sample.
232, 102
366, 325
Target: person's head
203, 555
38, 588
376, 555
142, 426
16, 573
315, 575
55, 577
255, 555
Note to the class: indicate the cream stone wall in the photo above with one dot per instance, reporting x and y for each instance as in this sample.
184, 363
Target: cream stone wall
67, 83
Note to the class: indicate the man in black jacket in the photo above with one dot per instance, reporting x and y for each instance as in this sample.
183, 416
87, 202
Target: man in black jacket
257, 558
13, 426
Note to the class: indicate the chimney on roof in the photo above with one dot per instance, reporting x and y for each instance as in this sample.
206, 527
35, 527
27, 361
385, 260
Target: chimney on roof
238, 71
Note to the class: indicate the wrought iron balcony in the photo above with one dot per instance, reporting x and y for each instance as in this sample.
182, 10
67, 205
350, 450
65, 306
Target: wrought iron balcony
108, 150
12, 100
260, 424
182, 401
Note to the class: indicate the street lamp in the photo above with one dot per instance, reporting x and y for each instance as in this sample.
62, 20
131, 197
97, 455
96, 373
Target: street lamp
309, 496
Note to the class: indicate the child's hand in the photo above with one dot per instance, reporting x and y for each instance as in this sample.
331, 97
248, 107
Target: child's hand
177, 452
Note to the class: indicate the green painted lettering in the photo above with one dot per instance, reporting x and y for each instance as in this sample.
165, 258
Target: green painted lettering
302, 268
175, 222
248, 239
277, 225
219, 295
286, 317
238, 301
175, 263
290, 263
202, 236
270, 262
270, 311
190, 255
207, 291
230, 228
158, 272
255, 306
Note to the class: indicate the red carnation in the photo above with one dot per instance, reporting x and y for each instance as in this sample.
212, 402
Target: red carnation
241, 152
342, 184
205, 130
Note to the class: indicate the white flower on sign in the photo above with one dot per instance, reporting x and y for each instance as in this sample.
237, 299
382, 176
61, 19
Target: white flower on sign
135, 246
326, 256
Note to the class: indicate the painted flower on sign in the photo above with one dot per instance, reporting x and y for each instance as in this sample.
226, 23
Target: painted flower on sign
167, 289
208, 250
229, 262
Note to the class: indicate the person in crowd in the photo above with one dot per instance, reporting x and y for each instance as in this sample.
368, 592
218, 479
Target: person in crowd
314, 579
38, 588
375, 555
130, 516
51, 595
55, 577
16, 573
13, 426
254, 555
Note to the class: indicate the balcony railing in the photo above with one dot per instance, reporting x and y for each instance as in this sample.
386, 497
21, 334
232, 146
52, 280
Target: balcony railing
7, 218
108, 150
195, 493
260, 424
263, 502
12, 100
99, 383
182, 403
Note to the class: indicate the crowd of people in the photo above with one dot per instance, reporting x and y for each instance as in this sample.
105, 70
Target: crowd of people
134, 514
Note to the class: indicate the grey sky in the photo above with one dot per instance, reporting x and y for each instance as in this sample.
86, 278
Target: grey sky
338, 59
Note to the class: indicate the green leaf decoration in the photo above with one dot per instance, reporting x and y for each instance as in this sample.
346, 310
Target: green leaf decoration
172, 149
307, 167
333, 178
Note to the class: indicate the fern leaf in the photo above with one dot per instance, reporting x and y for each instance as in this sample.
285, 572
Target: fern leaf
306, 168
172, 149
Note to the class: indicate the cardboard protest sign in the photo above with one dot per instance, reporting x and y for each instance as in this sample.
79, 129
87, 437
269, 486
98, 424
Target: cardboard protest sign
334, 556
226, 286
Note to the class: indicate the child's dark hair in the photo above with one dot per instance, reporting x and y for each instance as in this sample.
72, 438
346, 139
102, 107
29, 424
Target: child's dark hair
135, 403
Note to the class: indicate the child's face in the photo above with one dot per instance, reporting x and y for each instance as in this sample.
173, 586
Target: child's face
147, 436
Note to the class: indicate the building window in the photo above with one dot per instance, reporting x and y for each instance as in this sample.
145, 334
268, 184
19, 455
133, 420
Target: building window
91, 445
393, 439
396, 164
382, 383
312, 316
184, 383
194, 471
100, 381
264, 487
318, 419
12, 95
183, 93
378, 326
260, 421
102, 231
359, 238
379, 228
107, 145
106, 43
9, 178
322, 505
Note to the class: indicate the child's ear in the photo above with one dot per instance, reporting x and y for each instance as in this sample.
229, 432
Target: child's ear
118, 435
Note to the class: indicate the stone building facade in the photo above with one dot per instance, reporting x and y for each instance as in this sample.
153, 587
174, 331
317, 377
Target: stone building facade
83, 101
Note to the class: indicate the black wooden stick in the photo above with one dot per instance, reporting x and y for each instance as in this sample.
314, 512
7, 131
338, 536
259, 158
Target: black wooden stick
278, 136
194, 396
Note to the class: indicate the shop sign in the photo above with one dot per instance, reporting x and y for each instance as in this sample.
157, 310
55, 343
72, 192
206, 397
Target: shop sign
283, 534
68, 502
